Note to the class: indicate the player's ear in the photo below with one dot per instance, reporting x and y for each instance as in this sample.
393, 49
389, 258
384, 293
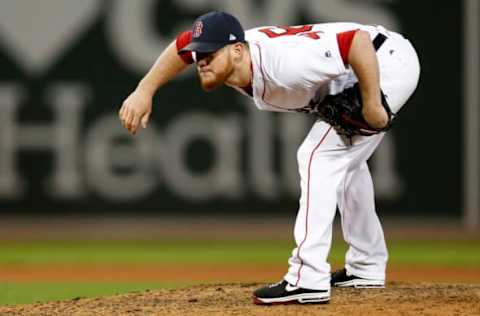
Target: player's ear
237, 51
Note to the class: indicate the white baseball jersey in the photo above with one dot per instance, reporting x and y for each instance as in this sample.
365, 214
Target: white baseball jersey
293, 65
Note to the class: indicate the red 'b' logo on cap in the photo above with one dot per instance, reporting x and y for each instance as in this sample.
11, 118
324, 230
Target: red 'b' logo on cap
197, 29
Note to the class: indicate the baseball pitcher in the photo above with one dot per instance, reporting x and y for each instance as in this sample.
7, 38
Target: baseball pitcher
354, 78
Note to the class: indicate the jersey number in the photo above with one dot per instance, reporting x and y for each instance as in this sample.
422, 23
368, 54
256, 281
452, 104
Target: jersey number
304, 30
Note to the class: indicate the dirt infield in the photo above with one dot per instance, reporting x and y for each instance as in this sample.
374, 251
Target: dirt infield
209, 273
407, 292
235, 299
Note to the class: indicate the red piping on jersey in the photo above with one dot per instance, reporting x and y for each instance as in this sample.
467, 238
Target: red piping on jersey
263, 74
344, 41
183, 39
308, 204
264, 83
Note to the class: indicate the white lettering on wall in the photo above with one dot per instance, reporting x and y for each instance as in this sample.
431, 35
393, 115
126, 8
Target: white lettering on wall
61, 136
105, 161
367, 12
67, 101
261, 151
293, 129
388, 181
103, 157
223, 178
10, 184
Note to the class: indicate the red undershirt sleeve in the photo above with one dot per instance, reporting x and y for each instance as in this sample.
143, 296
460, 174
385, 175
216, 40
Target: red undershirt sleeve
344, 41
183, 39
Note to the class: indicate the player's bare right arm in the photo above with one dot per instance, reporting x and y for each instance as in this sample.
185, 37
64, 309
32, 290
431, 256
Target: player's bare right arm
137, 106
363, 59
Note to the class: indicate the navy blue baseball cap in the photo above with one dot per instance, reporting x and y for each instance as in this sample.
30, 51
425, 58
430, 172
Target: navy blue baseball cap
213, 31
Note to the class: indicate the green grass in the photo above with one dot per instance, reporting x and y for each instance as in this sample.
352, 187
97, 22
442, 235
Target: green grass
431, 252
464, 253
144, 252
457, 253
30, 292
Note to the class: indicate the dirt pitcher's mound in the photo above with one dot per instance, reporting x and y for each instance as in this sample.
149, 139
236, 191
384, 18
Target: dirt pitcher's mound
235, 299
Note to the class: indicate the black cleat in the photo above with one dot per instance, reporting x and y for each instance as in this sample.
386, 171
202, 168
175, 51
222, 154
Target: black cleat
285, 293
340, 278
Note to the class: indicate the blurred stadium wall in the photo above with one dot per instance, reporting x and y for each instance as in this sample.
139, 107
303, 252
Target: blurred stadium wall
66, 66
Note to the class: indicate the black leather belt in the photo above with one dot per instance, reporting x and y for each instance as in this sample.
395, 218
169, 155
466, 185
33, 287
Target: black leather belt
379, 40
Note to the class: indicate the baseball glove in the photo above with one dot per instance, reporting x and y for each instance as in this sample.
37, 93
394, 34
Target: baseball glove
344, 112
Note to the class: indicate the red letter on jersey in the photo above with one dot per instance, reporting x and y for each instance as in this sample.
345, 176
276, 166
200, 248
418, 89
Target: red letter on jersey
287, 30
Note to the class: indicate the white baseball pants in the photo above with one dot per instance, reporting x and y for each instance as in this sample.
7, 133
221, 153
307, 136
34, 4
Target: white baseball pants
334, 172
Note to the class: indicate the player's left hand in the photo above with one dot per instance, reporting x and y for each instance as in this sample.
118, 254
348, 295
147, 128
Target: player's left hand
136, 110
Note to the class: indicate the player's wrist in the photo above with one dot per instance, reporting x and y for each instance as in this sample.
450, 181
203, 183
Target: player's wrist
146, 88
375, 117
